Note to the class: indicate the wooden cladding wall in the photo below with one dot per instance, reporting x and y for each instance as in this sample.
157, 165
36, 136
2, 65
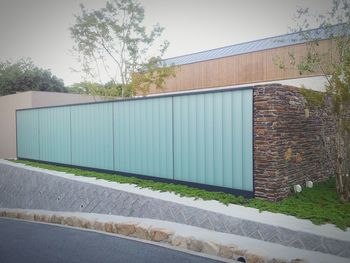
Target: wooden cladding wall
239, 69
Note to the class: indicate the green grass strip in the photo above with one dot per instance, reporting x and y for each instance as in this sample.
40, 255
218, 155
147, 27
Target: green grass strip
319, 204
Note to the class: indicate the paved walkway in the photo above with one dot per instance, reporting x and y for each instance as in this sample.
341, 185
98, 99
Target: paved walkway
34, 188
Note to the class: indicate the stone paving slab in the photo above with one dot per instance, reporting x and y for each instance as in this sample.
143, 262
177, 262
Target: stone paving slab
28, 188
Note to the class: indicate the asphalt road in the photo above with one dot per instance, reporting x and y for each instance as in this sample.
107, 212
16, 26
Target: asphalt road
22, 241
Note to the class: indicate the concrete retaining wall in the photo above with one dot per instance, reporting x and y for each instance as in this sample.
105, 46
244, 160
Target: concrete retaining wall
29, 188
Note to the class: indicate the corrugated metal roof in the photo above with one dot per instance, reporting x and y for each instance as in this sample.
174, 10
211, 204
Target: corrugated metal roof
251, 46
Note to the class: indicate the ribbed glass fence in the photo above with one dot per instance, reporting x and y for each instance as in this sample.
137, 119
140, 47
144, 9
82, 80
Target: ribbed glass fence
203, 138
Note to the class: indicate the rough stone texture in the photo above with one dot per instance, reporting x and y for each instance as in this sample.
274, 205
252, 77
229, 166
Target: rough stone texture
255, 258
44, 218
109, 227
69, 221
298, 261
99, 226
12, 214
160, 234
210, 248
125, 229
277, 260
288, 146
179, 241
26, 216
21, 188
56, 219
76, 222
194, 244
226, 251
239, 253
84, 223
142, 231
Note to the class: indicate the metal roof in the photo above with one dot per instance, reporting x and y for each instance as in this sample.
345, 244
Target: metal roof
251, 46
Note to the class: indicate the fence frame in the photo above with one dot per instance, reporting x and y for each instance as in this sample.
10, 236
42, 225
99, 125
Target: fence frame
245, 193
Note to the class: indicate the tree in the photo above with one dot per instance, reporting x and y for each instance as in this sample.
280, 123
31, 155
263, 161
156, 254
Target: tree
108, 90
113, 41
334, 64
23, 75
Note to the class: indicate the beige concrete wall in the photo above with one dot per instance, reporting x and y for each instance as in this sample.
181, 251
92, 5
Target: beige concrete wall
42, 99
29, 99
8, 105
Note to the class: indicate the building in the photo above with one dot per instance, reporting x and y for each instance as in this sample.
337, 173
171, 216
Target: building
258, 140
28, 99
247, 63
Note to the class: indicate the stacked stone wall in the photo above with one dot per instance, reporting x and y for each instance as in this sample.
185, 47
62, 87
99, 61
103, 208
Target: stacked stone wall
292, 141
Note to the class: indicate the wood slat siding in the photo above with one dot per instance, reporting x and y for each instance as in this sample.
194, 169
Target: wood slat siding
239, 69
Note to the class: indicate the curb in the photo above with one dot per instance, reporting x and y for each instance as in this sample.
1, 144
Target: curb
146, 232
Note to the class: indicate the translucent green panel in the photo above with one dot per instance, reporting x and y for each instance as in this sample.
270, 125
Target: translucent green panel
54, 127
219, 140
28, 134
237, 144
92, 135
213, 139
180, 139
143, 137
227, 146
202, 138
247, 98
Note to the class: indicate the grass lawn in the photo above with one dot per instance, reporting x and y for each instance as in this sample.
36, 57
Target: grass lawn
319, 204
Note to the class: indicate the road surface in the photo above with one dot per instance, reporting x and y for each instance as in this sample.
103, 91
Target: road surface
22, 241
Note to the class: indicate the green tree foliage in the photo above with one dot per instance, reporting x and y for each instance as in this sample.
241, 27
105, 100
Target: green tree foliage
107, 90
23, 75
113, 42
334, 64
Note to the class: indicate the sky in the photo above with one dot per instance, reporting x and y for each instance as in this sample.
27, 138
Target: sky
39, 29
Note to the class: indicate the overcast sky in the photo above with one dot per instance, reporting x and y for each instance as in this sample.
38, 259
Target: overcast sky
39, 28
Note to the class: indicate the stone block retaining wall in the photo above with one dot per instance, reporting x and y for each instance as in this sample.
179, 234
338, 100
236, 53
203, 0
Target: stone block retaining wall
291, 142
